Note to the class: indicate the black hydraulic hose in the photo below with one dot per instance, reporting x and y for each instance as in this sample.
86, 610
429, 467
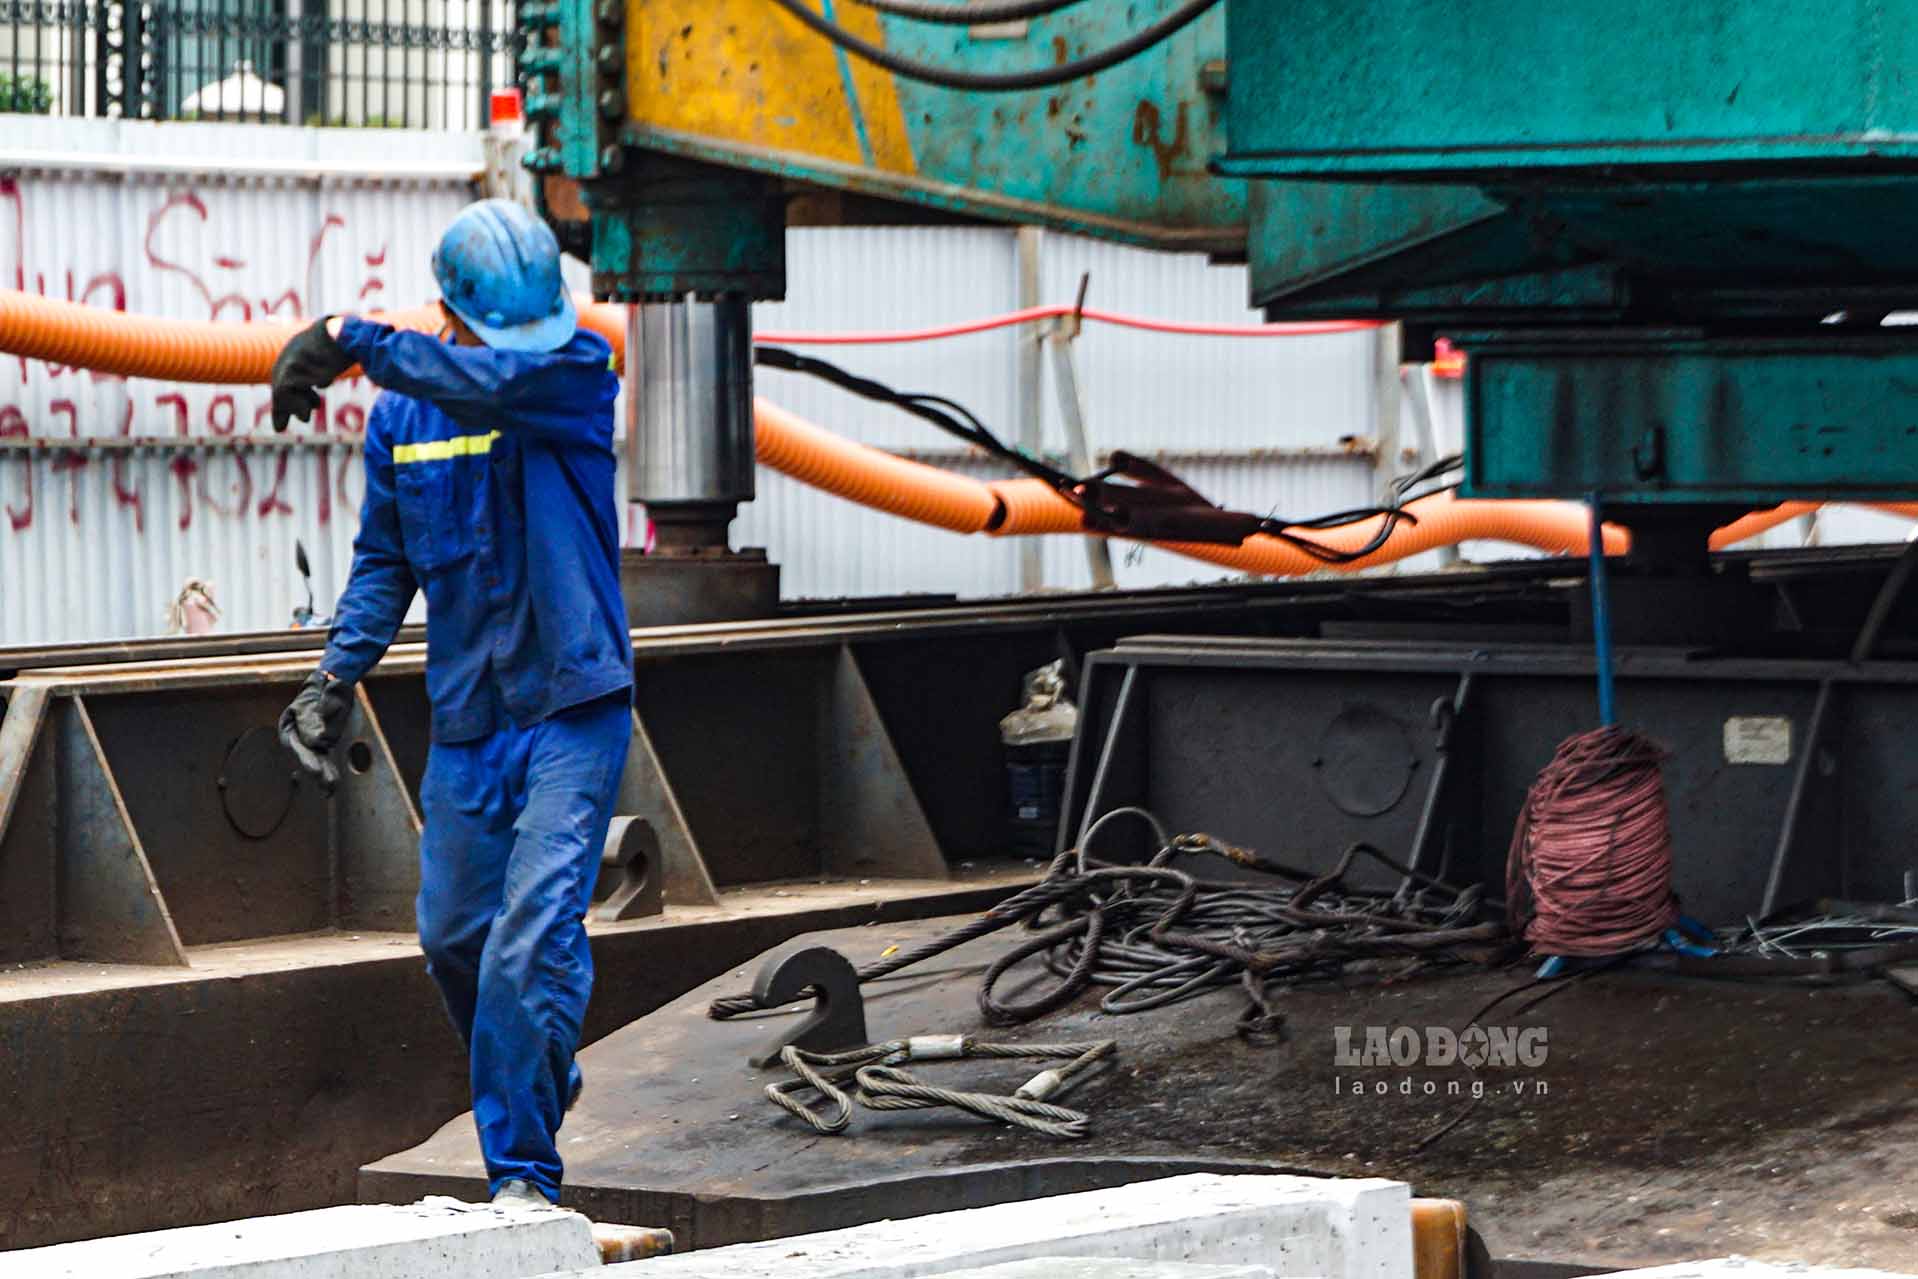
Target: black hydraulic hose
960, 422
1896, 581
954, 419
966, 12
1011, 82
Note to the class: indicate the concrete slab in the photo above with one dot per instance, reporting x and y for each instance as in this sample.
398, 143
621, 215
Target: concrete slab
361, 1241
1102, 1268
1302, 1227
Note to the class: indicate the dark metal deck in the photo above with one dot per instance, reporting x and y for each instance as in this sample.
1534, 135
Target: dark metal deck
1659, 1096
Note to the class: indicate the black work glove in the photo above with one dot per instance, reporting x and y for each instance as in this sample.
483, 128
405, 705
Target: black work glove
312, 359
312, 724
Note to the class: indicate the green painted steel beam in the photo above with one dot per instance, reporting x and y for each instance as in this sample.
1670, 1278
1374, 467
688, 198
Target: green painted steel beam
1674, 417
1351, 88
676, 227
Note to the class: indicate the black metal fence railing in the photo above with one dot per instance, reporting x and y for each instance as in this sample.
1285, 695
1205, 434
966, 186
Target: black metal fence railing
365, 63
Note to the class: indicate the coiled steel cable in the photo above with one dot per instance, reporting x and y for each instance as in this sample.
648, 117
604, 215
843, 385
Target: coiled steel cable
879, 1084
1157, 934
1164, 935
1008, 912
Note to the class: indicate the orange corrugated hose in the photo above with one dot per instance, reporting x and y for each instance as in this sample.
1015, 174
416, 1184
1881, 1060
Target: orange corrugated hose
1749, 526
1443, 520
871, 477
1033, 506
183, 351
818, 458
88, 337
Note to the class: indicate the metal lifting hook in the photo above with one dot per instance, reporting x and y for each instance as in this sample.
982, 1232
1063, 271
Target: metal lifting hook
838, 1017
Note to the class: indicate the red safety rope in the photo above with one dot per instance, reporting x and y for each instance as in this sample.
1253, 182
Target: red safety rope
876, 337
1590, 868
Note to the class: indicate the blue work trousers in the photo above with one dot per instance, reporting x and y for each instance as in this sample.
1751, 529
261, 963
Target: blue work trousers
515, 826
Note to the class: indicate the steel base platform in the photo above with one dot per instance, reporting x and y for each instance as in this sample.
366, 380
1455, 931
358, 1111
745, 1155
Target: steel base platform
259, 1077
1671, 1118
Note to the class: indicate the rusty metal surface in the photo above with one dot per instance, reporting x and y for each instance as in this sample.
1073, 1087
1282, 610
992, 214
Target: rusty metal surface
724, 739
788, 749
1120, 612
671, 590
673, 1128
1658, 1096
166, 750
256, 786
725, 80
870, 818
631, 880
1216, 727
22, 716
647, 793
375, 832
867, 745
176, 817
910, 617
260, 1079
28, 856
18, 658
109, 906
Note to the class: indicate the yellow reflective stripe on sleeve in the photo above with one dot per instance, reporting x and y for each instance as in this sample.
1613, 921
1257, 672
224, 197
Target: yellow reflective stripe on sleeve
440, 450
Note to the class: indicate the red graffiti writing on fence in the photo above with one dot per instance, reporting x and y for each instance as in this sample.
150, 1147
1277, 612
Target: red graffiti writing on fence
14, 423
194, 269
68, 461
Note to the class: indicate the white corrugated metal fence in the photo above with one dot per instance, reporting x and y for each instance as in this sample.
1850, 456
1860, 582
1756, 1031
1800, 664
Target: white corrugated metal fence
94, 544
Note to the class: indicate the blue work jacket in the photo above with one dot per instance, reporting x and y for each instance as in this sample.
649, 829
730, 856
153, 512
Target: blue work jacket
489, 485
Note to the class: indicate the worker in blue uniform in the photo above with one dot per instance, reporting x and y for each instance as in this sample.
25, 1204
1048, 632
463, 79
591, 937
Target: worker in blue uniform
489, 486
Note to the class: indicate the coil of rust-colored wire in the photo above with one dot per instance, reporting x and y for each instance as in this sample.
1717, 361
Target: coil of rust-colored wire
1590, 868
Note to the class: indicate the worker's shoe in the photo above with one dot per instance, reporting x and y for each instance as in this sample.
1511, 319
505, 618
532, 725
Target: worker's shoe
519, 1194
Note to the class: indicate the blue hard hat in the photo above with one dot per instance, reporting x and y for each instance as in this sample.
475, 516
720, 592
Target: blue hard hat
498, 270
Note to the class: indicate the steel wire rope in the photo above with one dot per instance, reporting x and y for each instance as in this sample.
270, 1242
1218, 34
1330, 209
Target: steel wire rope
1155, 934
1007, 82
1817, 935
1008, 912
1262, 935
878, 1082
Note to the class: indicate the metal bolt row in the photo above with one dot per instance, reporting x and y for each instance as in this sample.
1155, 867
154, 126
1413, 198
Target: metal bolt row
609, 57
538, 62
541, 67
